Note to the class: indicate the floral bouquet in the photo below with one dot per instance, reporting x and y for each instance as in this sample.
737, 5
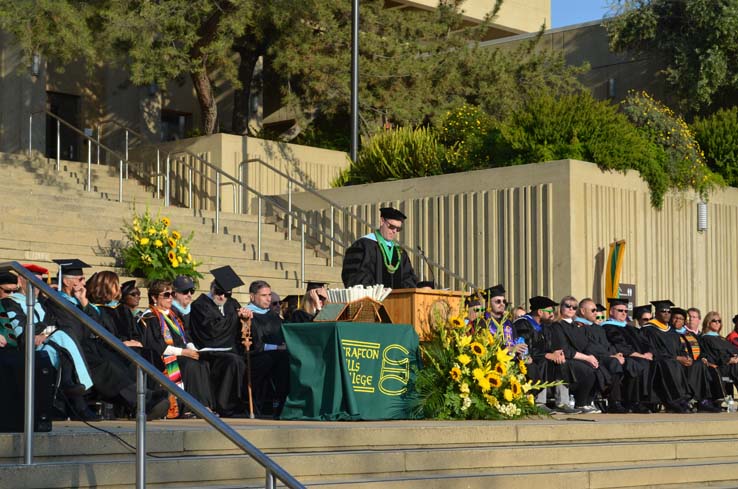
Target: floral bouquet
471, 374
156, 252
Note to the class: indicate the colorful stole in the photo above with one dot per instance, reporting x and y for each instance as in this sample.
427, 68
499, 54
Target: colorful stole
506, 326
692, 344
658, 325
388, 248
171, 365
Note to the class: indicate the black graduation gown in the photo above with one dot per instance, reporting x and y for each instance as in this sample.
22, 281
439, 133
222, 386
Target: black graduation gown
301, 316
195, 373
670, 382
270, 369
582, 377
112, 375
210, 328
539, 343
719, 351
705, 381
637, 383
363, 265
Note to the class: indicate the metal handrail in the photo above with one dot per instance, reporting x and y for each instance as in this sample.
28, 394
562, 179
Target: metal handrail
90, 141
332, 204
126, 129
273, 470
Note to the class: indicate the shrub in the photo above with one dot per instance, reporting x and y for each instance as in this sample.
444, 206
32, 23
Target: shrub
718, 138
684, 165
395, 154
467, 133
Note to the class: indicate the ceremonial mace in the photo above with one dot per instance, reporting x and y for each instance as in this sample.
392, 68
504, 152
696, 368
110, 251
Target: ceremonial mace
246, 340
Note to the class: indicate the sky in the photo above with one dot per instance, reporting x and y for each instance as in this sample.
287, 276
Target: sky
568, 12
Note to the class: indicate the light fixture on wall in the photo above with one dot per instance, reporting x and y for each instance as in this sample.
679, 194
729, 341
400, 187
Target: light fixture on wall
611, 88
702, 216
36, 65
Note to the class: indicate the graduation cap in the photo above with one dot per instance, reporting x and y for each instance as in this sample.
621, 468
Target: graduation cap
472, 301
127, 287
735, 319
678, 310
392, 213
226, 278
600, 307
7, 278
494, 291
639, 311
37, 269
617, 301
315, 285
540, 302
662, 305
71, 267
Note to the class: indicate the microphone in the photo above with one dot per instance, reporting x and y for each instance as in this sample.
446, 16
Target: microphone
427, 263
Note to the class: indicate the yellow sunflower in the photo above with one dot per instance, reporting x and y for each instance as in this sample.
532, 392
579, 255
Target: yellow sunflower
494, 380
176, 235
508, 395
484, 384
515, 387
478, 373
165, 221
464, 359
456, 322
501, 369
171, 256
455, 373
522, 367
478, 349
158, 243
172, 243
144, 241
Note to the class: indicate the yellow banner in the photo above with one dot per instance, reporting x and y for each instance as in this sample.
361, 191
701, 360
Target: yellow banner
612, 271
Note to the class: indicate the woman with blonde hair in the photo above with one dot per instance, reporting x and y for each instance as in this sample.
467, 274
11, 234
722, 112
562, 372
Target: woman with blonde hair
316, 296
720, 352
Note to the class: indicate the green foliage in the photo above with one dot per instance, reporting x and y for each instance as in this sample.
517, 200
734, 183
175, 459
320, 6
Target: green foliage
696, 42
718, 137
395, 154
466, 132
155, 251
684, 165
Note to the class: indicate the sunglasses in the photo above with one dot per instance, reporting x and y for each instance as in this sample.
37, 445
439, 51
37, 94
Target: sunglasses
646, 318
548, 310
394, 228
499, 301
620, 310
217, 291
665, 310
716, 321
187, 291
8, 291
569, 306
166, 294
477, 309
600, 318
322, 298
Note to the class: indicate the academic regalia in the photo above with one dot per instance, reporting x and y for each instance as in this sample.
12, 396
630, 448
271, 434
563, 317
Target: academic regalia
270, 366
670, 382
705, 381
195, 373
627, 339
301, 316
538, 339
719, 351
212, 328
600, 347
363, 264
583, 378
110, 372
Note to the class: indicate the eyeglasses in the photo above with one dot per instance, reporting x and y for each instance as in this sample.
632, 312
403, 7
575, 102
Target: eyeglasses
394, 228
594, 309
569, 306
187, 291
646, 318
548, 310
499, 301
8, 291
620, 310
664, 310
217, 291
600, 318
477, 309
716, 321
166, 294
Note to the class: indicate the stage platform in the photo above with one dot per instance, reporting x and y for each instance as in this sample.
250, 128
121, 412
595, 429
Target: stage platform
582, 451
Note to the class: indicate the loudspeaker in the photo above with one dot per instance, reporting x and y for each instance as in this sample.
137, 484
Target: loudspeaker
12, 377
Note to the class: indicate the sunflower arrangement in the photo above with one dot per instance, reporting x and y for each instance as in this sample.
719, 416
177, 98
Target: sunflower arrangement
470, 374
155, 251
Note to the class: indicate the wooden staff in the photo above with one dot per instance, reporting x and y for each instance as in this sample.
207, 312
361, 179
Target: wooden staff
246, 340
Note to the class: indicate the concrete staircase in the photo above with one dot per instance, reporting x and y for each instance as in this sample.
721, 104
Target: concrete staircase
594, 451
49, 214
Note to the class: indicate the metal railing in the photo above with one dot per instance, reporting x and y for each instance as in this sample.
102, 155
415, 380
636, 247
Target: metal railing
348, 215
273, 471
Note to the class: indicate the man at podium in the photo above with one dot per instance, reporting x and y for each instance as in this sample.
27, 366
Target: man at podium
377, 259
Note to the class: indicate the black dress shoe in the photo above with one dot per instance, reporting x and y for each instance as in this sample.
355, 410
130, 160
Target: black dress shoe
157, 409
73, 390
87, 415
706, 406
616, 407
639, 408
675, 407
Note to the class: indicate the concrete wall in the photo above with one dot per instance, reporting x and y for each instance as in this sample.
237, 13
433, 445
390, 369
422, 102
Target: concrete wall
545, 229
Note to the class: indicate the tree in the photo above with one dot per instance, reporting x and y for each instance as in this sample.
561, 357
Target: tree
718, 137
696, 40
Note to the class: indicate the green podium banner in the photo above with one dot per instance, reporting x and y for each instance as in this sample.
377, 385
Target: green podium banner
350, 371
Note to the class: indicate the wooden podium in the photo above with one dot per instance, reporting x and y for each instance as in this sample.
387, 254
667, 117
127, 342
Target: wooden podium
423, 307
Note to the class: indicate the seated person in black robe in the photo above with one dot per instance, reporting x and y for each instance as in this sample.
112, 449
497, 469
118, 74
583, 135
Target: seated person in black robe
315, 298
721, 353
626, 341
377, 259
705, 381
215, 322
114, 379
268, 352
176, 356
184, 290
